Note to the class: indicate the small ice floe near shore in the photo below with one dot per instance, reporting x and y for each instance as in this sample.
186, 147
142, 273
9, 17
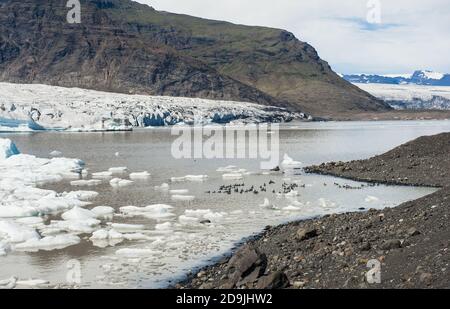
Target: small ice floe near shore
371, 199
289, 163
48, 243
201, 216
179, 192
233, 176
33, 283
102, 175
192, 178
141, 175
182, 198
55, 153
267, 204
157, 212
118, 170
117, 182
86, 183
163, 187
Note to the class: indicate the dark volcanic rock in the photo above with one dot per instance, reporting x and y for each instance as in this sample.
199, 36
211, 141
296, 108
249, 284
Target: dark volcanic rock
410, 241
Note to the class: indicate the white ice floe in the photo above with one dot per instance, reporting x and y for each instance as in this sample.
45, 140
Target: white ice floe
131, 253
233, 176
227, 169
48, 243
118, 170
267, 204
179, 192
12, 232
4, 248
163, 187
33, 283
140, 175
196, 177
117, 182
78, 213
7, 149
127, 228
34, 222
103, 211
193, 217
157, 212
6, 284
81, 195
292, 208
86, 183
289, 163
106, 235
371, 199
164, 226
182, 198
55, 153
102, 175
327, 204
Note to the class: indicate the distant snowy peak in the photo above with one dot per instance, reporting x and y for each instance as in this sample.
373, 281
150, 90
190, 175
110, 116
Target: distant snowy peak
423, 77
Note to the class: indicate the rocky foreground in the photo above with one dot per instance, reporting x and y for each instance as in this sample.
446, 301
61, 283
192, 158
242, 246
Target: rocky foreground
411, 241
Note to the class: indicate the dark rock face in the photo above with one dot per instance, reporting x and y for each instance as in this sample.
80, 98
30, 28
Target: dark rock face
127, 47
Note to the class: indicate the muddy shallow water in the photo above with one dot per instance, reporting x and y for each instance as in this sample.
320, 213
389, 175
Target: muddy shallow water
171, 253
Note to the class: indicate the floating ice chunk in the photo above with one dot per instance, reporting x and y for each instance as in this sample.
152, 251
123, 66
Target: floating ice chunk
136, 236
163, 187
131, 253
158, 211
204, 214
141, 175
48, 243
33, 283
288, 162
34, 222
164, 226
78, 213
125, 228
292, 208
7, 149
196, 177
371, 199
117, 154
227, 169
102, 175
86, 183
106, 235
183, 198
8, 283
326, 203
267, 204
292, 193
4, 249
8, 211
179, 192
103, 211
117, 182
56, 153
15, 233
118, 170
81, 195
186, 220
232, 176
178, 179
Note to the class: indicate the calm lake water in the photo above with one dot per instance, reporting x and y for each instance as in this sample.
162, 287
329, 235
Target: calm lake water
182, 248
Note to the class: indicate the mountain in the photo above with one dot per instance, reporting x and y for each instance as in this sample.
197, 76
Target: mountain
123, 46
428, 78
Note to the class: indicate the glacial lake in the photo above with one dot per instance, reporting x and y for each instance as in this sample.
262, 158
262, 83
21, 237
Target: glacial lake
182, 248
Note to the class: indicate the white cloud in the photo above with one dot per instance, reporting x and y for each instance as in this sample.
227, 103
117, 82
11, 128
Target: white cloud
413, 35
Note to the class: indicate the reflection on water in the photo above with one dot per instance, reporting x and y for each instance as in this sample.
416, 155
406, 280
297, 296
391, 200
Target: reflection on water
171, 253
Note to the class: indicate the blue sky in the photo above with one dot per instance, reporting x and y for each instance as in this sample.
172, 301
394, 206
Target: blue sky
413, 34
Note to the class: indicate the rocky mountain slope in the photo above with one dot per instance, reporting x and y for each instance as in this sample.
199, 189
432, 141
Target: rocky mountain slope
123, 46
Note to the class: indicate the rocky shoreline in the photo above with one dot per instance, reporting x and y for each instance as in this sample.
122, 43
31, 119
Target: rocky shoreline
410, 242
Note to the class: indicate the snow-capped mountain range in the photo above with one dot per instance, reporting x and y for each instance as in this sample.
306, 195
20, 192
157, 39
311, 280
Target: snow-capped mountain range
422, 77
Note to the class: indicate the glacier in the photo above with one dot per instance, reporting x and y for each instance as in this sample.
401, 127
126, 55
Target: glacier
31, 107
410, 96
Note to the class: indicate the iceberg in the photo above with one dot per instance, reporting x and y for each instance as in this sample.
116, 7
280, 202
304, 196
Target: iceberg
7, 149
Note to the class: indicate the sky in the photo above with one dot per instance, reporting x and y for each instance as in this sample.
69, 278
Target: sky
354, 36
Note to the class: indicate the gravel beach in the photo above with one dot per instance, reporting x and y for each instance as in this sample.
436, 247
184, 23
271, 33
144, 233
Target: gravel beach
410, 242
